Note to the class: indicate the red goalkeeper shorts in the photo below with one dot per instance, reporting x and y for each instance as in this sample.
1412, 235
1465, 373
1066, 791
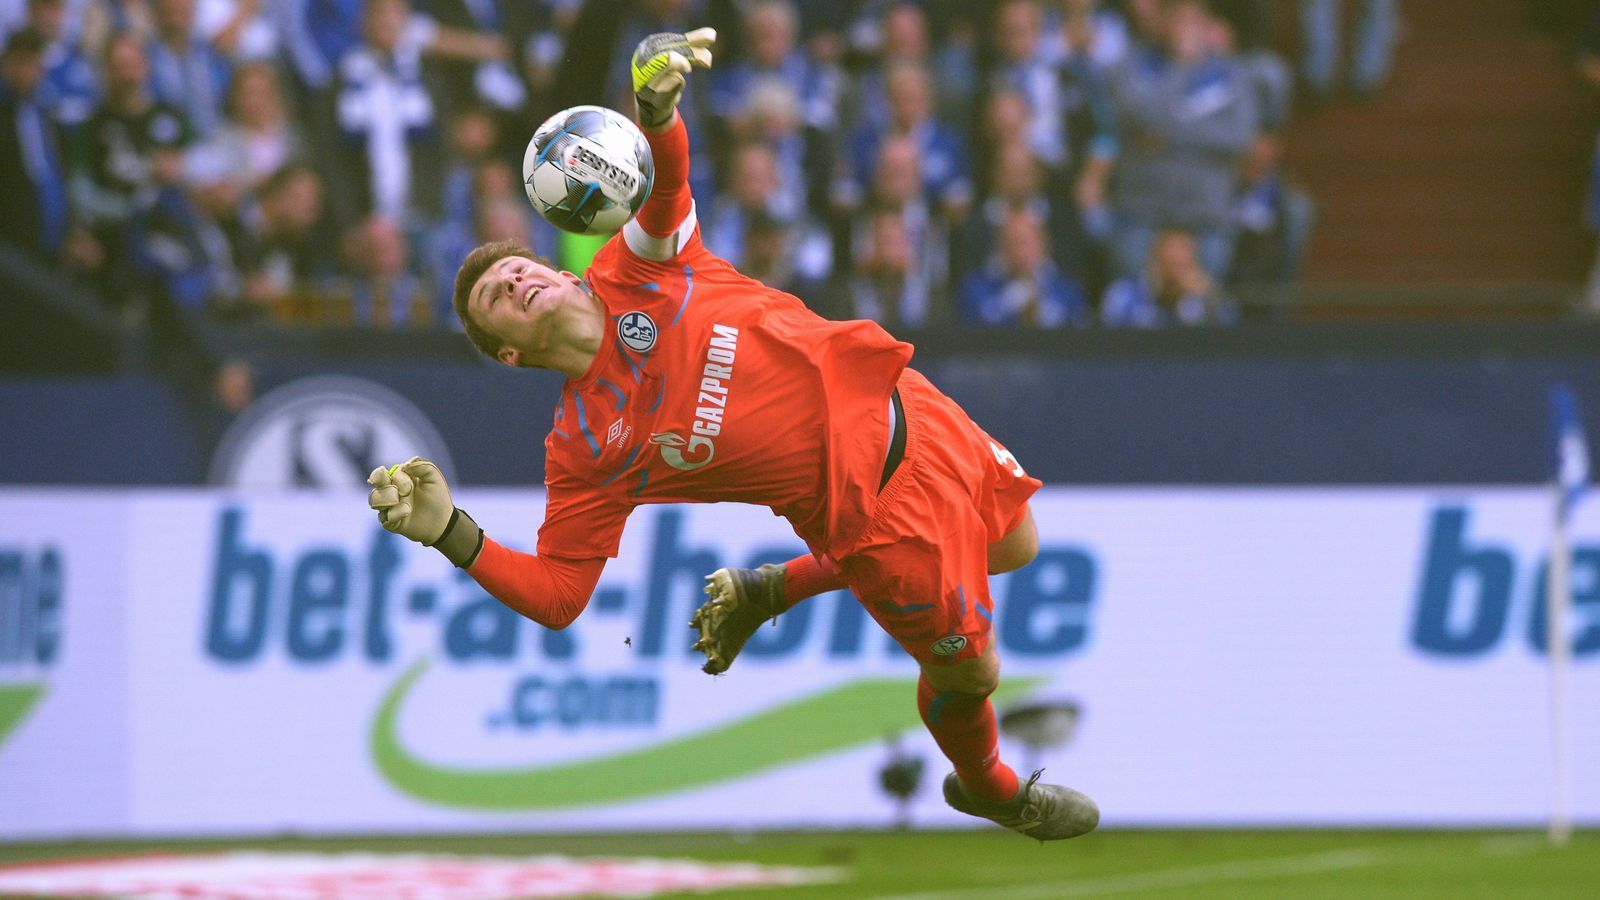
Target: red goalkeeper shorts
921, 568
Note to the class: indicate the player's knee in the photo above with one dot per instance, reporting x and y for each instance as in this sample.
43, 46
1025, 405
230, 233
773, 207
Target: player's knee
975, 677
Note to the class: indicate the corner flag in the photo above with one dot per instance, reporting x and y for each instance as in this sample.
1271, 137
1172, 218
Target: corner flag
1569, 475
1570, 456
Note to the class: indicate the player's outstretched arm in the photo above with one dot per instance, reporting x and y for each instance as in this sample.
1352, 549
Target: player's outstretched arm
659, 65
413, 501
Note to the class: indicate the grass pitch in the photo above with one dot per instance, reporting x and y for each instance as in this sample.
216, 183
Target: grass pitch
980, 865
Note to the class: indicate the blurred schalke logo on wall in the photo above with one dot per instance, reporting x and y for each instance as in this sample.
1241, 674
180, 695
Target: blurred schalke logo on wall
324, 432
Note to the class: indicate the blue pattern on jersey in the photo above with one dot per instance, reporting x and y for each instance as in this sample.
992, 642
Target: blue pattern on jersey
644, 479
988, 616
688, 291
625, 467
562, 433
622, 399
583, 425
650, 286
661, 391
623, 349
962, 596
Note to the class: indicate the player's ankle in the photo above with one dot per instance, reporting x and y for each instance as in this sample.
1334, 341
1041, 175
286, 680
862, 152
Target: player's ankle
996, 783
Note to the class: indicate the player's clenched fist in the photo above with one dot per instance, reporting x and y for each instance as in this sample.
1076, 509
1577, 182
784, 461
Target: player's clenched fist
413, 501
659, 64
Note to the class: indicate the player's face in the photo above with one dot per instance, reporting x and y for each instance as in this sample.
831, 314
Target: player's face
518, 301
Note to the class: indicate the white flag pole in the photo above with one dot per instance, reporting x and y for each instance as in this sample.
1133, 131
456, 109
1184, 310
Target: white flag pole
1558, 598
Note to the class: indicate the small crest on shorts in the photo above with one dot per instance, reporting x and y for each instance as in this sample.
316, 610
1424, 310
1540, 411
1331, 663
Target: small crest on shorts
949, 646
637, 331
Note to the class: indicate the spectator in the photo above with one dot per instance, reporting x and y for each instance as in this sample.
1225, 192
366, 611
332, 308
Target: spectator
475, 51
543, 49
753, 197
1371, 54
1172, 289
956, 60
752, 190
239, 29
897, 185
186, 72
384, 292
1004, 120
1273, 218
886, 285
898, 36
316, 34
280, 259
473, 138
1021, 285
1243, 29
388, 154
1186, 116
1017, 181
1022, 65
257, 139
804, 156
127, 153
1146, 23
786, 258
37, 217
1098, 35
191, 235
104, 19
69, 89
773, 55
946, 177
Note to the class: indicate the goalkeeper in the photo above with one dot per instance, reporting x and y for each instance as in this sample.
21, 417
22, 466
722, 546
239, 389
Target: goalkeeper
688, 382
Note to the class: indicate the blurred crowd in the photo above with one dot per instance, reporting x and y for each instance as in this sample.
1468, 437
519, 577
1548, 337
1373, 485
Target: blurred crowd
1587, 63
1019, 163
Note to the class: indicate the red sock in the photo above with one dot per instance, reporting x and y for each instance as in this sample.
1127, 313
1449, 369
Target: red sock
806, 576
964, 727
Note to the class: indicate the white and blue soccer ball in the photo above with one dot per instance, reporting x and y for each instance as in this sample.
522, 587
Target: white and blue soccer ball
588, 169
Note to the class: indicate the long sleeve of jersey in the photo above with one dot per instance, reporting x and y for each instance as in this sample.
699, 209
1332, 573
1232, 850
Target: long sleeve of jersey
547, 589
669, 202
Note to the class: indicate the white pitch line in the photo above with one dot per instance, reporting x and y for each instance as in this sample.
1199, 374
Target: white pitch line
1241, 870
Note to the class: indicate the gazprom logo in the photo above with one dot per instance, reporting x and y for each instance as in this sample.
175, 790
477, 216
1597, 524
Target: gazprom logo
324, 432
673, 446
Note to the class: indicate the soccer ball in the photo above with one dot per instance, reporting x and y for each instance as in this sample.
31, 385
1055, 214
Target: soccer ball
588, 169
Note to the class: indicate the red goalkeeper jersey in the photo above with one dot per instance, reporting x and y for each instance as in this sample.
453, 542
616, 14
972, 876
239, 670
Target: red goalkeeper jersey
710, 386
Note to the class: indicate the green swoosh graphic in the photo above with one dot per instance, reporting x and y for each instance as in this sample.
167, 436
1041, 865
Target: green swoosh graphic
854, 713
15, 701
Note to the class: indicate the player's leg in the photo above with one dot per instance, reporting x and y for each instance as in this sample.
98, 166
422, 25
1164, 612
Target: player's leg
742, 599
954, 702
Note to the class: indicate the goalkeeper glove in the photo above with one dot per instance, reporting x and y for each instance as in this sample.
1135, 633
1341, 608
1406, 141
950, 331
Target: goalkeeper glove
659, 64
413, 501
